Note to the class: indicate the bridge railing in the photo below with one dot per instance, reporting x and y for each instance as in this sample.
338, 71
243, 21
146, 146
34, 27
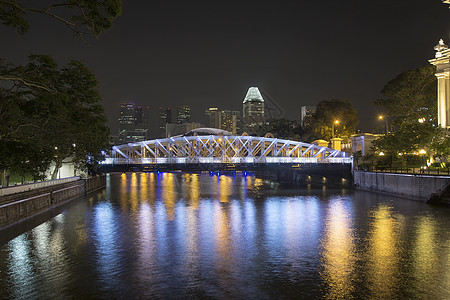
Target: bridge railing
228, 160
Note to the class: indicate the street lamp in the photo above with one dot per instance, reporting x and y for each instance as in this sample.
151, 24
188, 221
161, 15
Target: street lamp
381, 117
422, 153
335, 122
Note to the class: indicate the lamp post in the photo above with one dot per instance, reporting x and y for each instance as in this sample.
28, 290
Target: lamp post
381, 117
335, 122
422, 153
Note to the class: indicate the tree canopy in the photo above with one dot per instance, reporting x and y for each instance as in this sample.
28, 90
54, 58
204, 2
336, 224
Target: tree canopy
81, 16
330, 111
410, 96
410, 103
67, 121
283, 129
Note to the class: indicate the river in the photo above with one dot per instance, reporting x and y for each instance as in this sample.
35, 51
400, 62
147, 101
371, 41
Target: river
178, 236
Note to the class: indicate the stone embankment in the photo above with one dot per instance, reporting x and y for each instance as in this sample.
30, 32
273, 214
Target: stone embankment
426, 188
18, 206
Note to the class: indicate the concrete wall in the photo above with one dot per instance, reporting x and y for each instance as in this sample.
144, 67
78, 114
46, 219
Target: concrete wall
418, 187
33, 186
17, 207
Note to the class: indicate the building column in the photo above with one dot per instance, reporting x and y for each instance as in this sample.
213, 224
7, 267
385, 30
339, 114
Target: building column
443, 99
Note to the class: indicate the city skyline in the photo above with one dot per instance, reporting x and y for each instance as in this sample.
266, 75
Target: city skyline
207, 55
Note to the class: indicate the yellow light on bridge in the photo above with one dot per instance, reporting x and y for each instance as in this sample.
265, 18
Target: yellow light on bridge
422, 151
381, 154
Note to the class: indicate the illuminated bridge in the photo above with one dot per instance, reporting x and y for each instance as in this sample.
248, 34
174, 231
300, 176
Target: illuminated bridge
224, 152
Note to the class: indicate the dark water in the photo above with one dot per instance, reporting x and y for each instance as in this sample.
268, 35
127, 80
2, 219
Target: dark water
170, 235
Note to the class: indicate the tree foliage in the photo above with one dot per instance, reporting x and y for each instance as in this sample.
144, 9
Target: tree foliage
329, 111
410, 96
66, 122
283, 129
410, 103
81, 16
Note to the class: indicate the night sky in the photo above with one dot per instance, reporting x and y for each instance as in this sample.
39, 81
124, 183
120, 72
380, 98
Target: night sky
208, 53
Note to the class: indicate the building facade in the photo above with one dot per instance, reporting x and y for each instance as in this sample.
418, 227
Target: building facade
253, 110
183, 114
133, 123
229, 120
306, 115
165, 117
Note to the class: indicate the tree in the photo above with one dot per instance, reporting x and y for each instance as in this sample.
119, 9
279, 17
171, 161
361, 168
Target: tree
410, 102
411, 96
42, 107
441, 145
66, 122
329, 111
81, 16
283, 129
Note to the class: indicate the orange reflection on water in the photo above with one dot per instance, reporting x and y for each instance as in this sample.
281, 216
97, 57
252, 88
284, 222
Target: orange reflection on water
225, 188
143, 185
123, 190
134, 196
383, 253
225, 264
338, 255
168, 194
192, 189
426, 259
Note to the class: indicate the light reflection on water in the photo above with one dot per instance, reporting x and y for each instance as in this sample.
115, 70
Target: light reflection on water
168, 235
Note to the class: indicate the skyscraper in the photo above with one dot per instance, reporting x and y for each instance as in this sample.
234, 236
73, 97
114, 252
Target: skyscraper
253, 110
183, 114
165, 117
224, 119
133, 123
230, 121
306, 114
214, 117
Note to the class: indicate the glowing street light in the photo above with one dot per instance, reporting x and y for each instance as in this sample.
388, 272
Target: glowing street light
336, 122
381, 117
422, 153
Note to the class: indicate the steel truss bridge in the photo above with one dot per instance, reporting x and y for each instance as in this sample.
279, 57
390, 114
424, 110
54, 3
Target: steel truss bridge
222, 150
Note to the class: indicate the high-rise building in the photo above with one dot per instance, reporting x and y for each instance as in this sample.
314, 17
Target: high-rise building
168, 115
183, 114
133, 123
230, 121
224, 119
306, 115
214, 117
165, 117
253, 110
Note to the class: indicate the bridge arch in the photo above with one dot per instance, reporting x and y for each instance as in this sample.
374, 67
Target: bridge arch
219, 149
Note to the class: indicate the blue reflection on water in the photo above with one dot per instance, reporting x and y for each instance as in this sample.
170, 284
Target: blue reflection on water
188, 235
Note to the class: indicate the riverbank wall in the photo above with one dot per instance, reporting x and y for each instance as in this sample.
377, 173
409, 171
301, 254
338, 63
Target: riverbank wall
15, 207
414, 186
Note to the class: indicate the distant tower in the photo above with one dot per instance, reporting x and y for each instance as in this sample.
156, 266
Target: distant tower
133, 123
165, 117
306, 113
214, 115
168, 115
253, 110
183, 114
